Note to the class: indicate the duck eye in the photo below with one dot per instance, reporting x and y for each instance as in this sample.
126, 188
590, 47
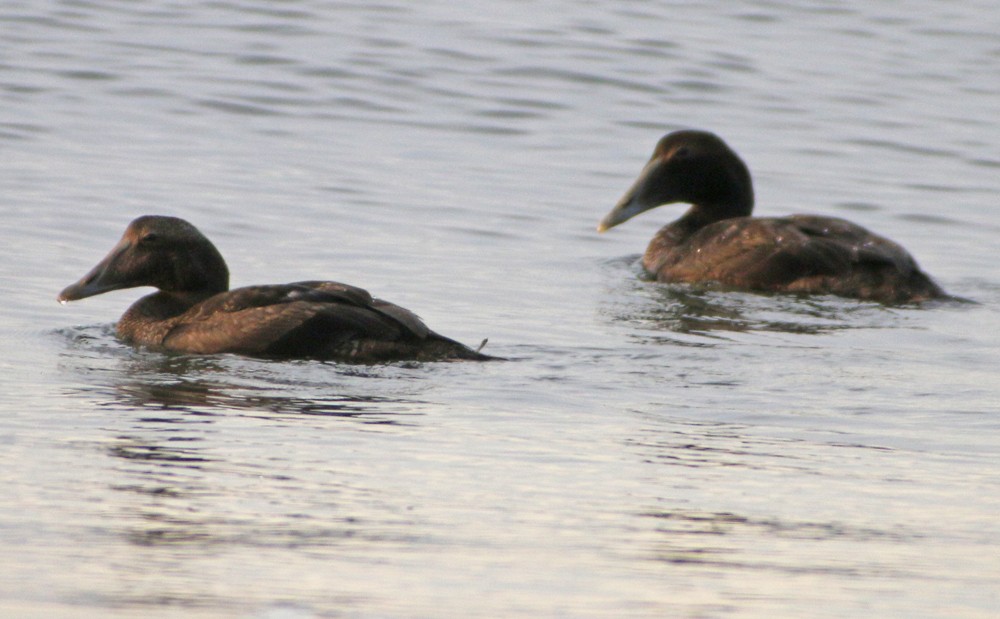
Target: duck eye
149, 238
682, 152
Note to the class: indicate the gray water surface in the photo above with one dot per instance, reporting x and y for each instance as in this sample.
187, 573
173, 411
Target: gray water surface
649, 450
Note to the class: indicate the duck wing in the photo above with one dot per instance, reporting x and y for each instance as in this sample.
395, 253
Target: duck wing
747, 252
311, 318
803, 253
854, 243
770, 253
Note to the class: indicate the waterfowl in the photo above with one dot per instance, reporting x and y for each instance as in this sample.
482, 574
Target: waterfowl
194, 311
718, 241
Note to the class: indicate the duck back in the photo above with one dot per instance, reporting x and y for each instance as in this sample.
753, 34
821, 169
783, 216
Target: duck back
799, 253
313, 319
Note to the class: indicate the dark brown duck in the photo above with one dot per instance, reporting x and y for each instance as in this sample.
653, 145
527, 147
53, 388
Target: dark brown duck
194, 311
718, 241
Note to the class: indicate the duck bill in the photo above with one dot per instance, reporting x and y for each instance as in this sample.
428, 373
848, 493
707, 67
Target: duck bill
634, 201
626, 209
104, 277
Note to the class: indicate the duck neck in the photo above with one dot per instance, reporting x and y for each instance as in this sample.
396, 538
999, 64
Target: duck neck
152, 317
191, 277
165, 305
703, 214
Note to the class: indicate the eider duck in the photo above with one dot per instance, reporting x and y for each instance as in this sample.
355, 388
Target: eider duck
718, 241
195, 312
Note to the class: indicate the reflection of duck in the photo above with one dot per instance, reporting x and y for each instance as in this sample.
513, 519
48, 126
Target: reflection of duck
194, 311
717, 240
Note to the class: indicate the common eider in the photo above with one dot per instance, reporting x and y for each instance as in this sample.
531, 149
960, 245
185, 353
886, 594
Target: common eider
194, 311
718, 241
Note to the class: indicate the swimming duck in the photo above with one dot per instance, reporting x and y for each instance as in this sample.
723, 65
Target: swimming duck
195, 312
718, 241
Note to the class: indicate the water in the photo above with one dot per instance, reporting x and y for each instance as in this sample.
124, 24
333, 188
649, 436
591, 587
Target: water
649, 451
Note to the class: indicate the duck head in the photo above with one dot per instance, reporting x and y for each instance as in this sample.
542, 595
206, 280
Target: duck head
694, 167
165, 252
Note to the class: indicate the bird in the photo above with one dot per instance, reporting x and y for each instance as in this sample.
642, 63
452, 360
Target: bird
718, 242
194, 311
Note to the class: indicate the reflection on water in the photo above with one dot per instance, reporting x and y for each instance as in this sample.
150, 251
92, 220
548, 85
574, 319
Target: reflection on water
194, 480
170, 406
704, 311
686, 532
204, 396
709, 313
208, 385
134, 449
718, 540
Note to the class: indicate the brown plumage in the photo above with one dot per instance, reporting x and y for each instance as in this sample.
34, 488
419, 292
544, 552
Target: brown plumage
718, 241
195, 312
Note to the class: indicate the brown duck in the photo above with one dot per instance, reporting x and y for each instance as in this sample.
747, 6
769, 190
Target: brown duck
718, 241
194, 311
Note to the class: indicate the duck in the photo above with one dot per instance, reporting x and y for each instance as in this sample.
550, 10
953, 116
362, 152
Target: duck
718, 242
194, 311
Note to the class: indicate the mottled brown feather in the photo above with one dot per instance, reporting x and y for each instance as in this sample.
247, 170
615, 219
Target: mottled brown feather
194, 312
717, 241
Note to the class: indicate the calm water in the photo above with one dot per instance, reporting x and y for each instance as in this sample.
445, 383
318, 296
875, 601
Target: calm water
650, 451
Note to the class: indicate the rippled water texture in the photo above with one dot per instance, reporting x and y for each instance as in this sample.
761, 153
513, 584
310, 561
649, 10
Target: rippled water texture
649, 450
